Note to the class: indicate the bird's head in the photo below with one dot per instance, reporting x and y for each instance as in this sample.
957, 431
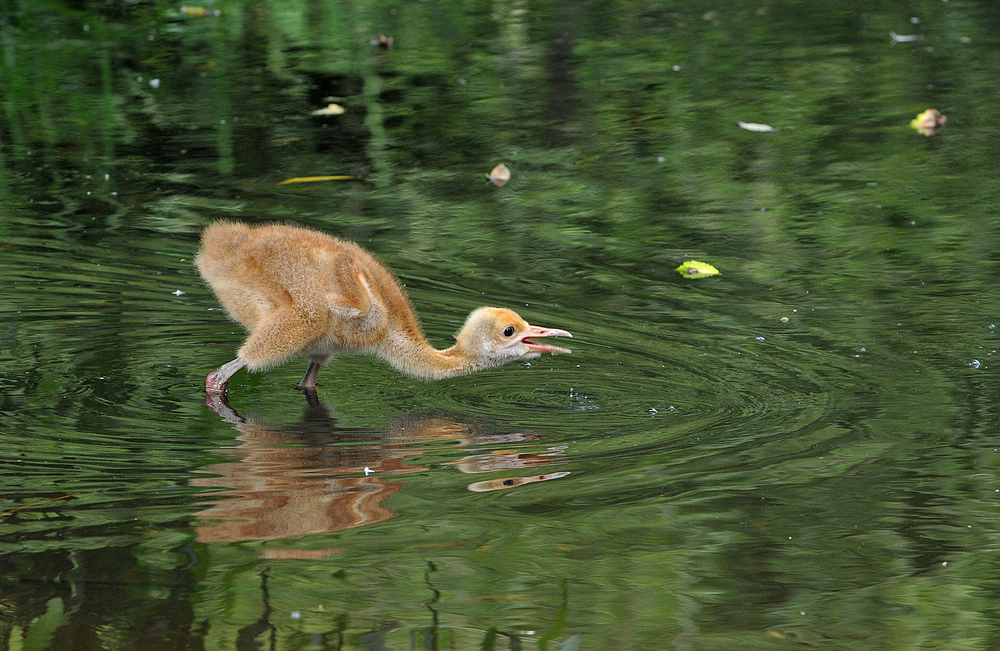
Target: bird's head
495, 336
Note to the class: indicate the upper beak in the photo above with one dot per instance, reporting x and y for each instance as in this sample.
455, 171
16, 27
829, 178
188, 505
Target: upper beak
536, 331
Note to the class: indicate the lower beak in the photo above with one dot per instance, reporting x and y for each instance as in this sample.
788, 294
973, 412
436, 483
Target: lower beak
536, 331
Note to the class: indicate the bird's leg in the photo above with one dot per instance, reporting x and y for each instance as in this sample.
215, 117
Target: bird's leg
312, 398
218, 380
308, 382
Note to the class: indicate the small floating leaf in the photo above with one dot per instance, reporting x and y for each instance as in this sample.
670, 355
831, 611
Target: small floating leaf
929, 122
315, 179
200, 12
329, 109
383, 42
499, 176
753, 126
695, 269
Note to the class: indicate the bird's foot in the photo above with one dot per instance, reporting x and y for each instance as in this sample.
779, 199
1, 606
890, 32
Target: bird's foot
219, 404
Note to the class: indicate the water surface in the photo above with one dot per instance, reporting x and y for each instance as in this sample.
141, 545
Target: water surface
800, 451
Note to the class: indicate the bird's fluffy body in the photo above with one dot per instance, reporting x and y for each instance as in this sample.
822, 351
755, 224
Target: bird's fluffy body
303, 293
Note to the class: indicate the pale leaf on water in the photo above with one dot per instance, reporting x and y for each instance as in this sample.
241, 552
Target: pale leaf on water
754, 126
499, 176
329, 109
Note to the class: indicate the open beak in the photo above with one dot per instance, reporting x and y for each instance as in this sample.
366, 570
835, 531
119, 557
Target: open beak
536, 331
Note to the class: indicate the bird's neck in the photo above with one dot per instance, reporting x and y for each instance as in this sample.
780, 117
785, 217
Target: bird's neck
413, 355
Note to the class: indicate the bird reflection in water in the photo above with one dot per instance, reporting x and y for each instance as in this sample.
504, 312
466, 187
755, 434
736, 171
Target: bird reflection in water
508, 460
314, 476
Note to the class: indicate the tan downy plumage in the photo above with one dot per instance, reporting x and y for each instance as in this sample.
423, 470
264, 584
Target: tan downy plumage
302, 293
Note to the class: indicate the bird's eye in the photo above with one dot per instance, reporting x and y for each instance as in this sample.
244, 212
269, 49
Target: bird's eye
508, 331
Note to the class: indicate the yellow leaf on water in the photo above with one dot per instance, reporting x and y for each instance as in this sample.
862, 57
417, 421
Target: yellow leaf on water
695, 269
200, 12
315, 179
929, 122
329, 109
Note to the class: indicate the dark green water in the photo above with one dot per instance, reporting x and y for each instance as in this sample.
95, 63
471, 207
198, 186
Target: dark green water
800, 452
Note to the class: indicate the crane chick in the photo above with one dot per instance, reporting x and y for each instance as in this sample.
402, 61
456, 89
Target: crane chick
303, 293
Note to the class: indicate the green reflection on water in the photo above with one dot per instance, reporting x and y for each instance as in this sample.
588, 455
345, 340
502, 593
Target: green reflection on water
735, 480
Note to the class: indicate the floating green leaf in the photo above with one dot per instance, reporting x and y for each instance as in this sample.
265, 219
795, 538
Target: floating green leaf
695, 269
